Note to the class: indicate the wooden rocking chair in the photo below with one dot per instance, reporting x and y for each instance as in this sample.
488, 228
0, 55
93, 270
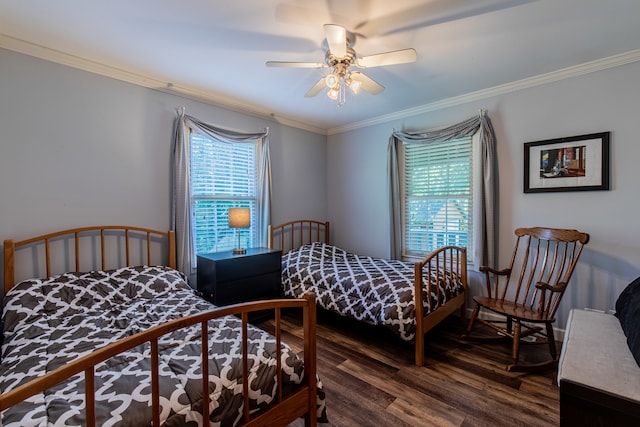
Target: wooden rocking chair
527, 294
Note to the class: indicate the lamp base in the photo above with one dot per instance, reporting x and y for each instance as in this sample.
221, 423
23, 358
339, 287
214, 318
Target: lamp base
239, 251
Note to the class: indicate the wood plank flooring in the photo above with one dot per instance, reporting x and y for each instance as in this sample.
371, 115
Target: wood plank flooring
370, 379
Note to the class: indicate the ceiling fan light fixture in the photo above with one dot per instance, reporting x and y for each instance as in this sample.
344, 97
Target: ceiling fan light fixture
332, 81
354, 85
333, 93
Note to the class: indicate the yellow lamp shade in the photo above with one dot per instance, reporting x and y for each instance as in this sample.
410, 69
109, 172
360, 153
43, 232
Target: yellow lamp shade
239, 217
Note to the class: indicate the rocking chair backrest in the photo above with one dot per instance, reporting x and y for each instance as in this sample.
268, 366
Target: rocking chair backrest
542, 263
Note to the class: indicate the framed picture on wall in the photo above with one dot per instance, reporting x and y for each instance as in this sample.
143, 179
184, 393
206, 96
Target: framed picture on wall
575, 163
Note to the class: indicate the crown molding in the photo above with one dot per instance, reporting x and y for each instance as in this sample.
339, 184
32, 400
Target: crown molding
157, 83
150, 82
541, 79
225, 102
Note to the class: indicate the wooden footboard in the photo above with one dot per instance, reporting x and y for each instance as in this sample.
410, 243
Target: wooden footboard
293, 234
445, 264
300, 403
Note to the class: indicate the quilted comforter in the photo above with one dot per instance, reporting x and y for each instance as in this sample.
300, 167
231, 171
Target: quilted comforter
50, 322
373, 290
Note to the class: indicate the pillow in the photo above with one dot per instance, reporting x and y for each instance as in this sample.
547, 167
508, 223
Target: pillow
628, 312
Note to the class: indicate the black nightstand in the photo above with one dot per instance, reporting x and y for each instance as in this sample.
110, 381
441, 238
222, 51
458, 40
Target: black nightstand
225, 278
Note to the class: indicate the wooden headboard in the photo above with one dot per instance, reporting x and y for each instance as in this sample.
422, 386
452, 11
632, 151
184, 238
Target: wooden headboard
293, 234
87, 248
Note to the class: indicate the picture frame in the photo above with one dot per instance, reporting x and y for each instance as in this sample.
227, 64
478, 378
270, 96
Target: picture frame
575, 163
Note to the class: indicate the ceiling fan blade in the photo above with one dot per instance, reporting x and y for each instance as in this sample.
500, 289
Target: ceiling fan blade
340, 12
288, 64
368, 83
316, 89
388, 58
432, 13
294, 14
336, 39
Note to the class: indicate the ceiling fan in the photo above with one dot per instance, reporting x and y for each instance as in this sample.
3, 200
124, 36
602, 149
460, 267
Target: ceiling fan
341, 58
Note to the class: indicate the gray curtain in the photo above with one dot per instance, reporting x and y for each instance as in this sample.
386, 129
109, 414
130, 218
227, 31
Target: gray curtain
484, 231
181, 206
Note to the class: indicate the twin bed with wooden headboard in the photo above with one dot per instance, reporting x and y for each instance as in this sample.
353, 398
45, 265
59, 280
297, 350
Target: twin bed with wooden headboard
107, 332
409, 298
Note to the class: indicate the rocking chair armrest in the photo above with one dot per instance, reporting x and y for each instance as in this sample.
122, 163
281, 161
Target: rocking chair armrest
547, 287
486, 269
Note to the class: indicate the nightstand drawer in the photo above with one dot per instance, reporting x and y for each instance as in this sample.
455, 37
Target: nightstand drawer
266, 286
247, 266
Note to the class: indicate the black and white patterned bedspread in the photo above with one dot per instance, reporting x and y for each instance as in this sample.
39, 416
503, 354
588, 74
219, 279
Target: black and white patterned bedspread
373, 290
50, 322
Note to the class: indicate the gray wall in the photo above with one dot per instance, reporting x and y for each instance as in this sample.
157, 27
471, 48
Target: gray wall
602, 101
78, 149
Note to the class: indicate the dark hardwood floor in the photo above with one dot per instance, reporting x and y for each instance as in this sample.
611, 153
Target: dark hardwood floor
370, 379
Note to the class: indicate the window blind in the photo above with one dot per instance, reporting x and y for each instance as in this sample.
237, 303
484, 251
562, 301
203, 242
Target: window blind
438, 196
223, 176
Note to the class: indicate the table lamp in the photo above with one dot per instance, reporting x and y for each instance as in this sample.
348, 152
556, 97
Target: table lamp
239, 218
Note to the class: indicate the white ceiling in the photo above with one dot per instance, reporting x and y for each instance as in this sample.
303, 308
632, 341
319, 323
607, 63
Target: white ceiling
216, 50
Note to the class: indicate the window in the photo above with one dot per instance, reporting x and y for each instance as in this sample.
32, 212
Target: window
437, 202
223, 176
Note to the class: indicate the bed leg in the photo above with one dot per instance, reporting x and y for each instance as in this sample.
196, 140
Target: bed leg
417, 293
310, 420
419, 349
463, 317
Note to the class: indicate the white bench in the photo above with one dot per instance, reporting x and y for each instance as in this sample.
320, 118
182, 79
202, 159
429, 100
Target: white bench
598, 377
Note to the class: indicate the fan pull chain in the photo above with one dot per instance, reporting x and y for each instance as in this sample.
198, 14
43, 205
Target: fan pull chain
342, 95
